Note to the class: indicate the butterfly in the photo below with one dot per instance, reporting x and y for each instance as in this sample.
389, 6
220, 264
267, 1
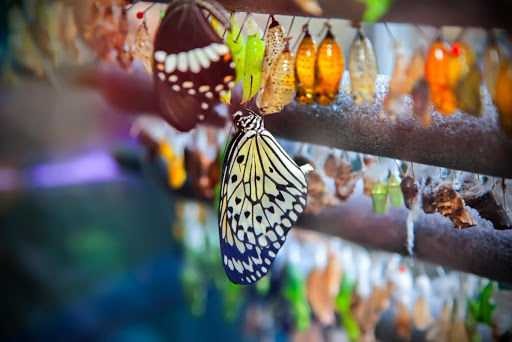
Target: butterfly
263, 192
192, 66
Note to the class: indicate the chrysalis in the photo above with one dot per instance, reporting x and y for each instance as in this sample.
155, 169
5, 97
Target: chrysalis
192, 66
415, 70
279, 89
462, 58
407, 78
274, 45
22, 45
143, 47
237, 48
421, 102
176, 172
437, 71
305, 68
254, 52
68, 32
396, 197
503, 97
393, 102
363, 69
380, 198
492, 60
322, 288
329, 69
468, 92
45, 28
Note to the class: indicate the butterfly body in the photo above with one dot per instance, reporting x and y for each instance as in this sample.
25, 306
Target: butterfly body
192, 66
263, 192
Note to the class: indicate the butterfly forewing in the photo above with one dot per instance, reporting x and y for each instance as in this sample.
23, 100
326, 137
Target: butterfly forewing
192, 66
263, 193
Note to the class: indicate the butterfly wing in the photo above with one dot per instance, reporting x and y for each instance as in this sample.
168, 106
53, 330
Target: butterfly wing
263, 193
192, 66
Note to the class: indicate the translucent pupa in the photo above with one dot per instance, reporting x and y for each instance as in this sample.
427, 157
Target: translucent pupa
363, 69
274, 44
279, 88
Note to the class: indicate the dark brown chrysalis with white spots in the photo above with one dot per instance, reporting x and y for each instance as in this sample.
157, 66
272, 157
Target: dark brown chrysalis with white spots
192, 66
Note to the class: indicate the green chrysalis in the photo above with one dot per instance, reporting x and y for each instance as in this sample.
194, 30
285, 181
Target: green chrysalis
237, 47
254, 53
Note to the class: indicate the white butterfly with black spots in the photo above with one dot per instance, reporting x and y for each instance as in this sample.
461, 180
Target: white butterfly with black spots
263, 193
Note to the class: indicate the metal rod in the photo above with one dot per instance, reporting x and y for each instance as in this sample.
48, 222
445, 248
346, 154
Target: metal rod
480, 13
479, 250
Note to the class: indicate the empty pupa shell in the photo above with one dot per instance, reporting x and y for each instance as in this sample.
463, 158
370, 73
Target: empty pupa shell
279, 89
363, 69
274, 45
143, 47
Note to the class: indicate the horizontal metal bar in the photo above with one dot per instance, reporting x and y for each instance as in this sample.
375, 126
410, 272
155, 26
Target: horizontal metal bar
478, 13
479, 250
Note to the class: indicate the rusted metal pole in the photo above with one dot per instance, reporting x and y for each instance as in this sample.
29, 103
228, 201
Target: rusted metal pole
478, 13
483, 251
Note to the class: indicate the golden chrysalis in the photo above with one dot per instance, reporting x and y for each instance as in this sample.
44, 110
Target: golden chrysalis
329, 69
503, 98
437, 74
305, 68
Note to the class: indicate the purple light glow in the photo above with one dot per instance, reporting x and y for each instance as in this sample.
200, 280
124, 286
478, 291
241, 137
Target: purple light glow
92, 167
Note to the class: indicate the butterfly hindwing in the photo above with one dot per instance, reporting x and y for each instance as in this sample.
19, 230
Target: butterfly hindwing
263, 193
